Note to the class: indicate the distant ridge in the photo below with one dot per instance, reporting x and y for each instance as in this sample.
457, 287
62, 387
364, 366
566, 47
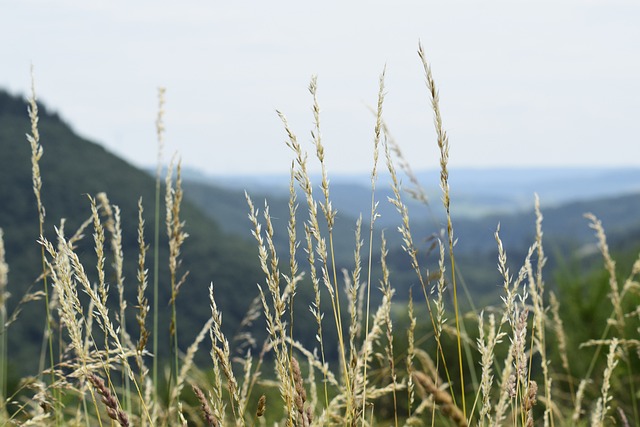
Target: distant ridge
611, 194
475, 192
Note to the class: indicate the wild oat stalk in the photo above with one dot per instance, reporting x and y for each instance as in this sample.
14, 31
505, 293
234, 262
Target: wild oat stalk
443, 145
536, 290
70, 307
515, 314
387, 291
103, 318
602, 404
372, 220
247, 362
304, 417
113, 225
577, 410
441, 398
113, 408
215, 333
103, 287
440, 289
410, 248
156, 234
376, 333
610, 265
329, 214
177, 236
275, 325
352, 285
36, 155
411, 351
326, 256
558, 328
315, 305
223, 355
188, 360
204, 405
142, 301
292, 279
486, 347
616, 296
62, 268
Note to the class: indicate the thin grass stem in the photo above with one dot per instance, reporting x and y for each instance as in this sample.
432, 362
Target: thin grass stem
156, 234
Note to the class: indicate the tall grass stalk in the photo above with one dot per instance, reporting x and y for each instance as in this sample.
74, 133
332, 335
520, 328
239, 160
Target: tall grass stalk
4, 294
176, 236
223, 354
122, 303
142, 301
387, 291
36, 155
411, 352
410, 248
602, 404
538, 334
443, 145
274, 317
104, 321
617, 318
103, 289
156, 233
315, 305
292, 279
330, 215
113, 225
327, 257
372, 220
70, 307
311, 229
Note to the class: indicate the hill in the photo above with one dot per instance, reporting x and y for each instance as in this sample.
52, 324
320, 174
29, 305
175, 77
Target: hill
72, 168
565, 230
475, 193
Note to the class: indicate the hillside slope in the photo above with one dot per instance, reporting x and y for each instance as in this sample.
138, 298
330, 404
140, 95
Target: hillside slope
71, 169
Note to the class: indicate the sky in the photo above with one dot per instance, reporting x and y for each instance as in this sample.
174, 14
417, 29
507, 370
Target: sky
522, 83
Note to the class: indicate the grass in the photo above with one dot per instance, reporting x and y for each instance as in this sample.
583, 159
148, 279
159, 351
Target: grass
400, 363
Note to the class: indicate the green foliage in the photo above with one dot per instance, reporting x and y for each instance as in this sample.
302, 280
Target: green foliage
584, 291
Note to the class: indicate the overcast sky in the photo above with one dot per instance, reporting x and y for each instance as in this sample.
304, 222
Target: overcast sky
521, 83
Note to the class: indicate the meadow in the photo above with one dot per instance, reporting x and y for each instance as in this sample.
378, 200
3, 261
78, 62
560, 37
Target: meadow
433, 359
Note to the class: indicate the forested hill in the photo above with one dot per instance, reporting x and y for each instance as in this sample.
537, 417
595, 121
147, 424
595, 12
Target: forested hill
566, 231
71, 169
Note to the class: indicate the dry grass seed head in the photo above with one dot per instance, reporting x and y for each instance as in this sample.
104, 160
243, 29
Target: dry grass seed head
110, 401
610, 265
262, 406
440, 397
204, 405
